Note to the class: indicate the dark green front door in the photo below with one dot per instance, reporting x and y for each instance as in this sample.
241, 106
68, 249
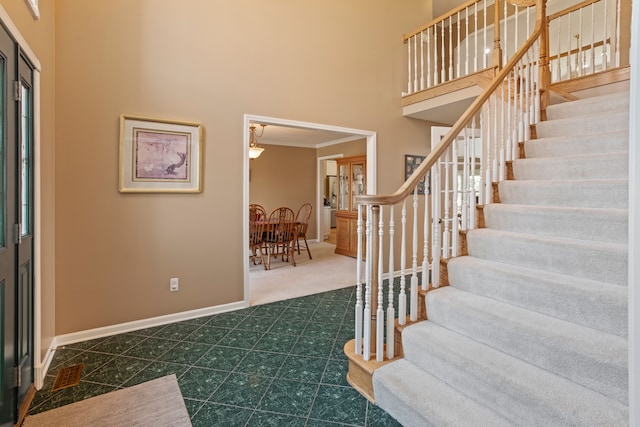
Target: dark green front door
16, 228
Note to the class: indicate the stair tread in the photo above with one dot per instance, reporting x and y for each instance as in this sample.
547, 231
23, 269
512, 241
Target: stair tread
585, 193
586, 166
595, 304
436, 404
568, 145
604, 224
589, 357
521, 392
602, 261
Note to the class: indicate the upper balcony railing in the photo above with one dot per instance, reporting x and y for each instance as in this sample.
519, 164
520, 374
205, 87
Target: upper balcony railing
584, 38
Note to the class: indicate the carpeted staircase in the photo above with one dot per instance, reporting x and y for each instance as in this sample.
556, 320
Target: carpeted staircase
532, 330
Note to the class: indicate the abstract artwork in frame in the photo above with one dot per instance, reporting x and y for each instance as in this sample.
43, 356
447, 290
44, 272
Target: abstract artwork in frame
160, 156
411, 163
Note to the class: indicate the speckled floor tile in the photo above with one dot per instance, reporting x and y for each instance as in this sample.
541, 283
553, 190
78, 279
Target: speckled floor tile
303, 368
244, 390
278, 364
339, 404
207, 335
200, 383
214, 414
151, 348
261, 363
289, 397
117, 371
281, 343
270, 419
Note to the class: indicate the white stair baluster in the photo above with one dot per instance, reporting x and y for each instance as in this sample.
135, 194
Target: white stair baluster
443, 77
380, 326
467, 41
366, 348
455, 191
485, 47
451, 76
472, 194
506, 37
617, 56
414, 263
415, 63
358, 308
402, 296
391, 314
475, 31
447, 207
421, 60
458, 47
605, 36
593, 31
436, 71
409, 91
428, 57
466, 181
435, 233
425, 248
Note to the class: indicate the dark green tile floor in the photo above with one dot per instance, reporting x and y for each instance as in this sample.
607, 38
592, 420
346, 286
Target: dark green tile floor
279, 364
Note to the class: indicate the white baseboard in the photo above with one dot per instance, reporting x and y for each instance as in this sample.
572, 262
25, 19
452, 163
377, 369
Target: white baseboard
90, 334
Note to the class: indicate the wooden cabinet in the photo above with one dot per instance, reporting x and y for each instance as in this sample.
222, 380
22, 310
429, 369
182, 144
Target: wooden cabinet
351, 183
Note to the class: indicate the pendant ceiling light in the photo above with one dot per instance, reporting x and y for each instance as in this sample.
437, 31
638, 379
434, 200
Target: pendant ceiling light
254, 149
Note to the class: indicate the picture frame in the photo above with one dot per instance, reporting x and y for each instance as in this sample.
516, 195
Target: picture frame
160, 156
411, 163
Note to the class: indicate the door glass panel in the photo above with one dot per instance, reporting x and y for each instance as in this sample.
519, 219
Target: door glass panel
25, 162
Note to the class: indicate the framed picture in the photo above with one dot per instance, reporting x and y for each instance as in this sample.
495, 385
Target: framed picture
160, 156
411, 163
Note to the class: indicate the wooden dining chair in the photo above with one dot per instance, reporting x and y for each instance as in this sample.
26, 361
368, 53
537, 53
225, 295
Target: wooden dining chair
256, 240
280, 234
257, 212
302, 223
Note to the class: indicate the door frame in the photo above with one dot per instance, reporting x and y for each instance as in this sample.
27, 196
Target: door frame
38, 366
371, 172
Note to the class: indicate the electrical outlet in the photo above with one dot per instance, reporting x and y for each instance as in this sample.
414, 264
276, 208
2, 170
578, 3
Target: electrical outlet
174, 284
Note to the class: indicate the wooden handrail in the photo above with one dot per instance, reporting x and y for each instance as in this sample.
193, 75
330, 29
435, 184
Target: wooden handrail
519, 3
440, 18
571, 9
406, 188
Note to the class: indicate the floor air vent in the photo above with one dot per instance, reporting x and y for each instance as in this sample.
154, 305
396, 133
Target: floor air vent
67, 377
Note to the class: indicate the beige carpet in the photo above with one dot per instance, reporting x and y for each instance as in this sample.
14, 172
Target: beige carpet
154, 403
325, 272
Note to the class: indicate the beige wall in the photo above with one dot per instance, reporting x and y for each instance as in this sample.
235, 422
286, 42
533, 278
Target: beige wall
40, 36
285, 176
332, 62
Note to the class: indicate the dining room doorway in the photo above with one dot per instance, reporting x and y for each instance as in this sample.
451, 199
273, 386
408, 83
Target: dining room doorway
331, 135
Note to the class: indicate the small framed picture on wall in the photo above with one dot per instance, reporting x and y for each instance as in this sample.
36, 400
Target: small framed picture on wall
411, 163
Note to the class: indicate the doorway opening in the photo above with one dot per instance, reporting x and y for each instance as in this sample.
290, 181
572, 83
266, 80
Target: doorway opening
342, 134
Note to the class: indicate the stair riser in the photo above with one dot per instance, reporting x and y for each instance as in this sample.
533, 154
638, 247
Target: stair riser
600, 262
416, 398
601, 167
594, 143
567, 351
604, 225
596, 305
522, 393
582, 194
588, 106
582, 125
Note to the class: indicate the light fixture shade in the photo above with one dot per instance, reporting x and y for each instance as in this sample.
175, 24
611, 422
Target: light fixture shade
255, 152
